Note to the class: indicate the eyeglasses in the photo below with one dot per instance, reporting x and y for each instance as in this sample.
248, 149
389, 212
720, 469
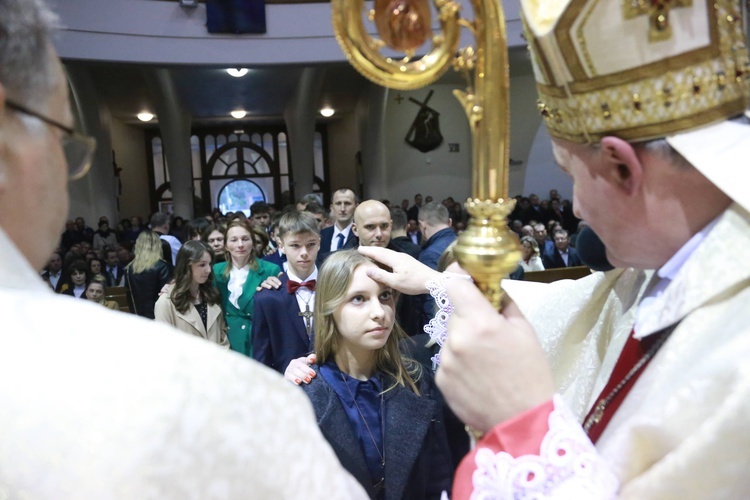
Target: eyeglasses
78, 148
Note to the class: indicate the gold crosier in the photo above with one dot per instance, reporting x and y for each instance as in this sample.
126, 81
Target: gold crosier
487, 250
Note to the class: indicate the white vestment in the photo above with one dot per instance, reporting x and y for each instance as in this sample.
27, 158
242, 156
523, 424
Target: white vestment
683, 430
98, 404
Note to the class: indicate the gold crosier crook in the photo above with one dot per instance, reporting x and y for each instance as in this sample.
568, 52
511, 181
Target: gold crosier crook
487, 250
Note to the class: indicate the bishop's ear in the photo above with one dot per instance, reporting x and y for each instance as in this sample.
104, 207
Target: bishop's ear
624, 168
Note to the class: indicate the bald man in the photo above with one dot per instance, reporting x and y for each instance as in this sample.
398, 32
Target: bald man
372, 224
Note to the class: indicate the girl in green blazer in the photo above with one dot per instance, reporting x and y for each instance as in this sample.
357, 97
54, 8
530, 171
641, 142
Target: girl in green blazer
237, 279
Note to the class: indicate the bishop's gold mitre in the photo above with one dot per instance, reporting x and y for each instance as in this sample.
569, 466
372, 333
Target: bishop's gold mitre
637, 69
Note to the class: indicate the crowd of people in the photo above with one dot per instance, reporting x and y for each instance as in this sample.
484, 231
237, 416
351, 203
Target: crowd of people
142, 256
249, 284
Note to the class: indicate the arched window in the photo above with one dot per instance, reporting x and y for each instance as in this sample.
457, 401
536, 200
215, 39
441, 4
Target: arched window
239, 195
222, 155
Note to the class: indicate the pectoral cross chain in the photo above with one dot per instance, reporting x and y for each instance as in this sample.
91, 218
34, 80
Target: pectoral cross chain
307, 314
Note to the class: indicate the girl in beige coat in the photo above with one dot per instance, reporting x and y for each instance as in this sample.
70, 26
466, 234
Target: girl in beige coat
193, 304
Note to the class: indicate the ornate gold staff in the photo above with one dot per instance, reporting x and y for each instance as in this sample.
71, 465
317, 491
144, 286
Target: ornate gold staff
486, 250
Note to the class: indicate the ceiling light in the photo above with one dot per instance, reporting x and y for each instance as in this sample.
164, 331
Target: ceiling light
145, 116
237, 72
238, 113
327, 111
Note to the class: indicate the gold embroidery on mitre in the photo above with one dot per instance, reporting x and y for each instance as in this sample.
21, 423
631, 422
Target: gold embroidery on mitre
676, 93
658, 14
590, 67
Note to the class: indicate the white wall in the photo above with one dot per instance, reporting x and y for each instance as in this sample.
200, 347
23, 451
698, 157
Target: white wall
437, 173
543, 173
524, 122
343, 145
129, 145
92, 196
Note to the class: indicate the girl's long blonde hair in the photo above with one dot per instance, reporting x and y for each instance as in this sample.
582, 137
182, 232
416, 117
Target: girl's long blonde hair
334, 279
147, 252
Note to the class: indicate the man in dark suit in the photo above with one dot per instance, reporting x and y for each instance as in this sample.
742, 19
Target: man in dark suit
340, 235
53, 272
399, 240
413, 232
113, 271
546, 245
282, 317
563, 255
84, 231
413, 212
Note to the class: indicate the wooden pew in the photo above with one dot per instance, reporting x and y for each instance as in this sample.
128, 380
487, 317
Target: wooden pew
120, 295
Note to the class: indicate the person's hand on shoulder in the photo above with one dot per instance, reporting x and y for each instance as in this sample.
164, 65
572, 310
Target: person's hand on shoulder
270, 283
299, 371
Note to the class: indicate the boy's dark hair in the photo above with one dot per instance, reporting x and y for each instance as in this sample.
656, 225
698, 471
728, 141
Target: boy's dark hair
260, 207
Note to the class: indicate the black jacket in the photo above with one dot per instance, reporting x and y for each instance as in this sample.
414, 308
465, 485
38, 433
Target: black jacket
144, 287
418, 463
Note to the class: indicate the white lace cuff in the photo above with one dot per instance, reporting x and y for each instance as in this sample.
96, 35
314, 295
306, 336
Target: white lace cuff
568, 466
437, 328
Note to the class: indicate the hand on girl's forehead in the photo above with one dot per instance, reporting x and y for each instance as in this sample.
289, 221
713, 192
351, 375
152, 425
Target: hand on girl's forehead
363, 282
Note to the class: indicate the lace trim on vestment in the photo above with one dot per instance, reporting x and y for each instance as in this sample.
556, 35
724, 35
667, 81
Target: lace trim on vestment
567, 466
437, 328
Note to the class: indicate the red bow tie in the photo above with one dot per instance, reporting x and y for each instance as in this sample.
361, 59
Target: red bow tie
292, 286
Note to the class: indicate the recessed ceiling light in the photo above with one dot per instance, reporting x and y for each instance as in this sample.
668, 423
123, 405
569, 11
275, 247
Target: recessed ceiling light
145, 116
237, 72
327, 111
238, 113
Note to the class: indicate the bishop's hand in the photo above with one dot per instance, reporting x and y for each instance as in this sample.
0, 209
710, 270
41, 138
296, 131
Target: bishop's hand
492, 366
408, 274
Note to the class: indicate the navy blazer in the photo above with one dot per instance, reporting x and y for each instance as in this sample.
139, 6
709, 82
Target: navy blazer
417, 458
326, 235
279, 333
554, 260
111, 280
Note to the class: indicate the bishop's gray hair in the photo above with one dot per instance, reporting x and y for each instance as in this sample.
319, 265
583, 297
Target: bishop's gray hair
25, 69
663, 148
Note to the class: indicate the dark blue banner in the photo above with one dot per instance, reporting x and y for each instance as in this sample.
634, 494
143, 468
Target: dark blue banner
236, 16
